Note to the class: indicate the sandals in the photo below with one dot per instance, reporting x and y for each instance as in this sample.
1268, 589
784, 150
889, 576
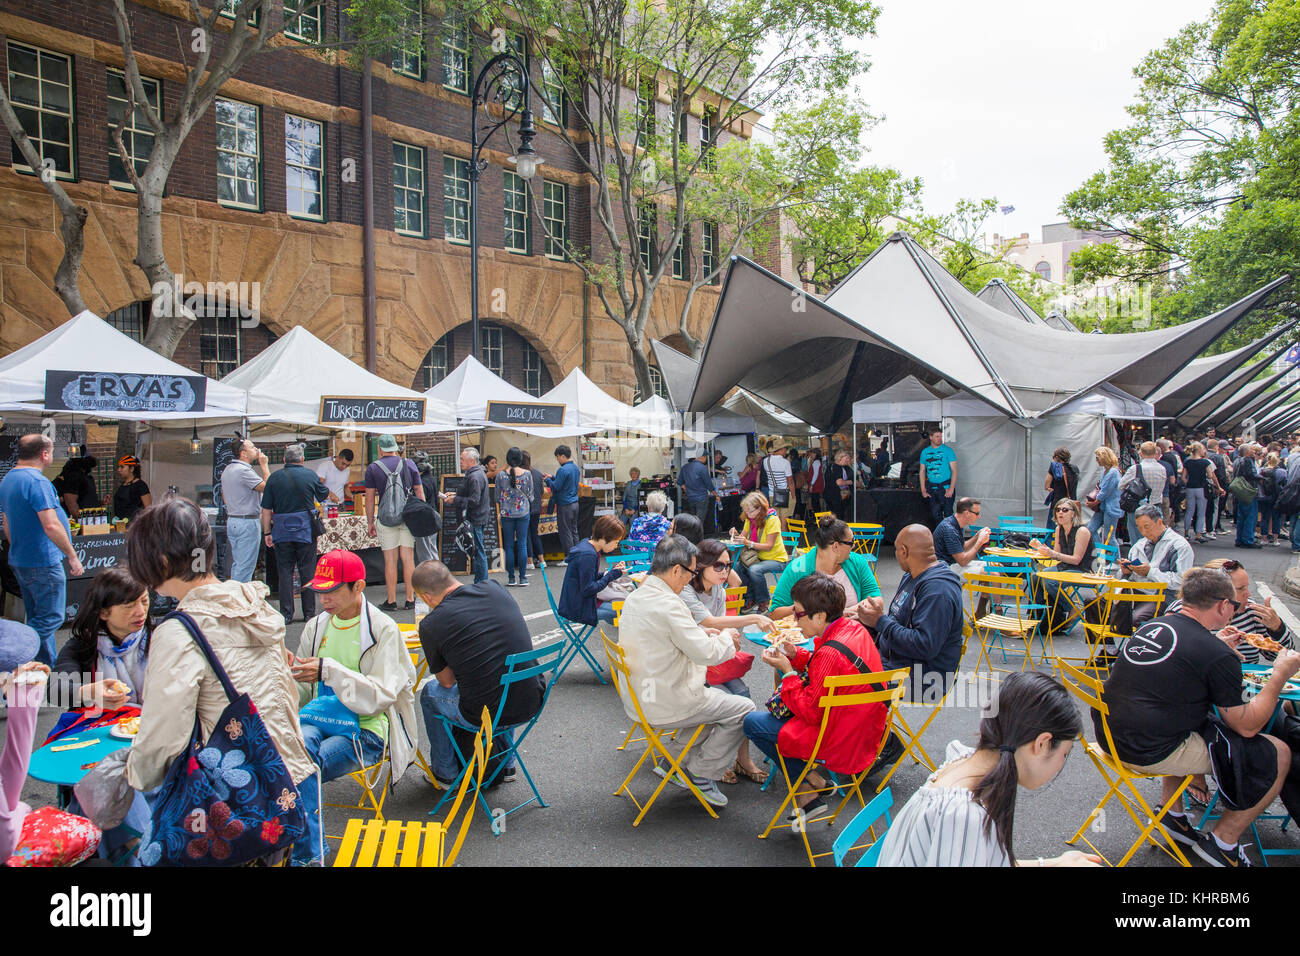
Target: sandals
737, 771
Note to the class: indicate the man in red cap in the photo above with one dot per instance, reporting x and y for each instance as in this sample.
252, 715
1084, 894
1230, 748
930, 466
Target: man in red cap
356, 683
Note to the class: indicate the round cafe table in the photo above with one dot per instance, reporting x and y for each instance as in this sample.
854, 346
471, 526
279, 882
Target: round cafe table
1071, 583
66, 760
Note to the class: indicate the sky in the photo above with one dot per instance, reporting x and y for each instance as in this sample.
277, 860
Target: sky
1008, 98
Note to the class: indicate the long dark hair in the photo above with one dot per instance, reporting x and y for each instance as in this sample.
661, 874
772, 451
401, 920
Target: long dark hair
111, 587
1028, 705
708, 551
514, 459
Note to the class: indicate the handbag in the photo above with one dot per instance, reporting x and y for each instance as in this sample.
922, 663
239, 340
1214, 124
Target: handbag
230, 800
737, 666
1243, 490
317, 524
748, 556
778, 708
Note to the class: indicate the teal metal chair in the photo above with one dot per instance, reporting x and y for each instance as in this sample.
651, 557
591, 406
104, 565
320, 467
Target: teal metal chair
1020, 567
792, 541
525, 665
635, 549
1005, 520
866, 819
577, 636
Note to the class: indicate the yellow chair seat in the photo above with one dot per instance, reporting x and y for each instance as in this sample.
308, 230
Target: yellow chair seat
382, 842
1007, 625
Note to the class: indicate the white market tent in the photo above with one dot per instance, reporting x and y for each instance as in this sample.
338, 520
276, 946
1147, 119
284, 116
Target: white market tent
592, 408
656, 418
86, 342
286, 381
471, 385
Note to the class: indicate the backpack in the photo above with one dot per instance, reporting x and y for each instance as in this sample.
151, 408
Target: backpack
514, 501
392, 501
1288, 496
1136, 492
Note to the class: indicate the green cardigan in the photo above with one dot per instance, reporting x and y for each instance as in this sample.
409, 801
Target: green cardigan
857, 569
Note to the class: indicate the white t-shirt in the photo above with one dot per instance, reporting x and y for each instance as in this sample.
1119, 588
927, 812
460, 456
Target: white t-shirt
335, 480
779, 473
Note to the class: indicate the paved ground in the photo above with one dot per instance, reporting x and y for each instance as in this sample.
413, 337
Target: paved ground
572, 755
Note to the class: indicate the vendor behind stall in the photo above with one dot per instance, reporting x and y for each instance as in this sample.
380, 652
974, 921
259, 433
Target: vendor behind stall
132, 495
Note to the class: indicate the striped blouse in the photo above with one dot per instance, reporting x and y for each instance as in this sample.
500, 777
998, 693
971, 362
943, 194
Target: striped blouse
1247, 621
942, 826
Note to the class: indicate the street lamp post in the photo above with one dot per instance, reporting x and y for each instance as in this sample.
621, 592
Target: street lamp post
514, 103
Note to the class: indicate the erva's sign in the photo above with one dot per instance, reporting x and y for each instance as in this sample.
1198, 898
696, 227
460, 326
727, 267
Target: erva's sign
367, 410
530, 414
124, 392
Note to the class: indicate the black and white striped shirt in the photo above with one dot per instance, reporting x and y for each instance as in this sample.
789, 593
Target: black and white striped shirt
1247, 621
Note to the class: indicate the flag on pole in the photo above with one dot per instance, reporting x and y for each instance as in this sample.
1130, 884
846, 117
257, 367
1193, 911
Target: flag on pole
1007, 209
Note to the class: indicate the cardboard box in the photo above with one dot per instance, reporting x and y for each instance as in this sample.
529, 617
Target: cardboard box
97, 529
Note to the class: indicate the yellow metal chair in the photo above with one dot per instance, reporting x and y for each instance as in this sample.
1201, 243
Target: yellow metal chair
912, 739
382, 842
842, 690
818, 515
799, 525
653, 737
867, 537
735, 600
1116, 594
629, 737
1119, 777
993, 626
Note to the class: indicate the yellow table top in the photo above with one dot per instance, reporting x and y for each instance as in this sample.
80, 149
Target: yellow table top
1015, 553
1075, 577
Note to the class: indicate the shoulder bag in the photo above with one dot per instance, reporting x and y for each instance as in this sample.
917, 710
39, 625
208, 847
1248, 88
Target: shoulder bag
230, 800
777, 707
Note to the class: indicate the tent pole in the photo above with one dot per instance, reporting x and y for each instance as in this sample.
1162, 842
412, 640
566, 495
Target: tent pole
854, 486
1029, 469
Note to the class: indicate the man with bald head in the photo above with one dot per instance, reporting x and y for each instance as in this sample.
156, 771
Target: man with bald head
922, 628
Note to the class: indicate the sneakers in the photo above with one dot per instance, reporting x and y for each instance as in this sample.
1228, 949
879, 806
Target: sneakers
709, 788
1180, 829
562, 564
1208, 849
523, 582
510, 583
508, 775
810, 811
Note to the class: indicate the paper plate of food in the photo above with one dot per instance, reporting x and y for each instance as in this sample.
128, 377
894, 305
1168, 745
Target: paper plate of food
126, 728
638, 577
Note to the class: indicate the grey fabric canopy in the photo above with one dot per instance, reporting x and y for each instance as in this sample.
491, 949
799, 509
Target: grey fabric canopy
678, 371
1204, 375
1273, 402
901, 313
1231, 387
1240, 404
1002, 297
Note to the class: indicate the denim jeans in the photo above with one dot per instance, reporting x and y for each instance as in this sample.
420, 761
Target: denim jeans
1246, 515
755, 579
1102, 527
940, 503
514, 542
1270, 522
1194, 515
478, 560
45, 592
245, 537
605, 612
336, 755
307, 851
534, 539
762, 729
436, 701
1295, 532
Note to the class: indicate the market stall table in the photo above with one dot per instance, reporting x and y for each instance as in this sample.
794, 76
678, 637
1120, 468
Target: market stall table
65, 760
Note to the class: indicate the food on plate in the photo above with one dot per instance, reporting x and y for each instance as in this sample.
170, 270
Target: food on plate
84, 743
1264, 643
129, 726
115, 686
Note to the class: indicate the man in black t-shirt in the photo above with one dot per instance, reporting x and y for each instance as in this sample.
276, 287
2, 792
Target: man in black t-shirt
467, 635
949, 534
1168, 676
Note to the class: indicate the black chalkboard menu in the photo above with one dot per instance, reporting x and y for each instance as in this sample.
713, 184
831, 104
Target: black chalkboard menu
224, 451
457, 561
96, 552
8, 453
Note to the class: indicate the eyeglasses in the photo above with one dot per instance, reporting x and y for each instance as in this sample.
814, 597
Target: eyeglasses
721, 565
800, 615
686, 567
848, 543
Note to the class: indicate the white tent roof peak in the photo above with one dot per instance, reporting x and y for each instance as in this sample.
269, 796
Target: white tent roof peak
86, 342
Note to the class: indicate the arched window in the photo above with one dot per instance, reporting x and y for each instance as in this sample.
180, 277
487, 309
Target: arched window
132, 320
532, 368
1044, 271
436, 364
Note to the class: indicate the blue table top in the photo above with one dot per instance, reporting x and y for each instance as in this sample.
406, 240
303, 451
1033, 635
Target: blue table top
756, 636
67, 767
1291, 691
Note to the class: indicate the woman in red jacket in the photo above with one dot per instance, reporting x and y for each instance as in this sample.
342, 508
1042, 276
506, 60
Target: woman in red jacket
840, 646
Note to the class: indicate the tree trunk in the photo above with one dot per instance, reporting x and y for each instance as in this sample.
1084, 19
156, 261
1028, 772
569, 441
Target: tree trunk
171, 317
694, 346
639, 362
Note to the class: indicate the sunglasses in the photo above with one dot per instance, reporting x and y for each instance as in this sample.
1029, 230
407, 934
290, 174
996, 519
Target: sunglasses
721, 565
1061, 511
800, 615
848, 543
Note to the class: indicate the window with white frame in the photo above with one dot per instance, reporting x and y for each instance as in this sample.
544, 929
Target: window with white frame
455, 55
228, 10
455, 199
302, 20
645, 236
1044, 271
40, 89
437, 363
218, 344
708, 135
532, 370
304, 167
681, 257
516, 212
493, 355
408, 55
553, 86
656, 383
408, 189
239, 154
137, 134
709, 250
555, 212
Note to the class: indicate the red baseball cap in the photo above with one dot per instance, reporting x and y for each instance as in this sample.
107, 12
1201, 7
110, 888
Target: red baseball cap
335, 569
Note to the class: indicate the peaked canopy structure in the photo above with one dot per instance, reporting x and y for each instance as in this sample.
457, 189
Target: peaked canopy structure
1230, 387
911, 400
1002, 297
86, 342
471, 385
1243, 402
285, 383
590, 407
901, 313
1203, 375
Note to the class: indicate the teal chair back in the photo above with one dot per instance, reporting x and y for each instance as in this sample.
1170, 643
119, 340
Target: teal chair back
1014, 520
866, 818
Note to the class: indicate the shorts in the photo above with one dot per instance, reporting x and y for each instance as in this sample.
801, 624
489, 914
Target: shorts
1191, 756
390, 539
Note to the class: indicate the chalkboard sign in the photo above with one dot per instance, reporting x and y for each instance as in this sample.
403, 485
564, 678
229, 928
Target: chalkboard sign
224, 451
96, 552
124, 392
8, 453
365, 410
531, 414
457, 561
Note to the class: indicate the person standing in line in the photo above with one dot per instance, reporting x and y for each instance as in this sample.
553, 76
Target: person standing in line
938, 475
1105, 500
1247, 511
780, 480
515, 495
1201, 486
564, 495
1062, 481
335, 472
241, 490
1153, 473
535, 514
475, 504
288, 500
816, 481
392, 478
39, 537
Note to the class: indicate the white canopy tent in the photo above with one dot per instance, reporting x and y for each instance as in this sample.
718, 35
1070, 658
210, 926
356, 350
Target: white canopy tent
86, 342
1002, 297
471, 385
592, 408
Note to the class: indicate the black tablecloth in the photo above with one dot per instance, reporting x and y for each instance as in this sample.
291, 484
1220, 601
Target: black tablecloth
895, 508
